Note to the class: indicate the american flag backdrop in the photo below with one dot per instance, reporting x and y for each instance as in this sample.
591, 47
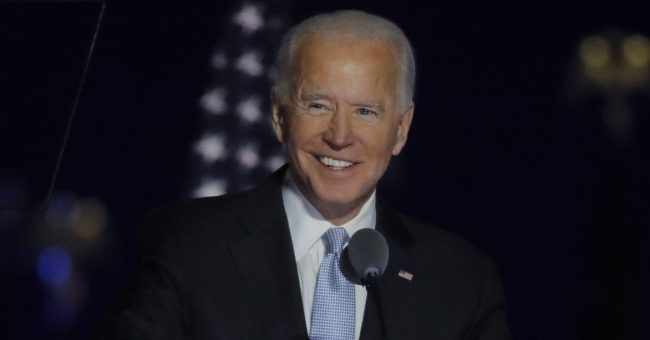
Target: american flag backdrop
235, 146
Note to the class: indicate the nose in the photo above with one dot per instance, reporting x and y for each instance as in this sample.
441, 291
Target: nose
339, 131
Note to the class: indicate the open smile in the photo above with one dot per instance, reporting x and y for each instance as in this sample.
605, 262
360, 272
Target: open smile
333, 163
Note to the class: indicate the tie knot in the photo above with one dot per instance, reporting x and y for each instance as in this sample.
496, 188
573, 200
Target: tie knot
335, 238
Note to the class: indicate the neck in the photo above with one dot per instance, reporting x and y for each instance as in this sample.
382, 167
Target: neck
338, 215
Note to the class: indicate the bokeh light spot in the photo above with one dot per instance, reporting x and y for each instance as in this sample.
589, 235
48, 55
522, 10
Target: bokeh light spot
54, 266
595, 51
92, 219
636, 50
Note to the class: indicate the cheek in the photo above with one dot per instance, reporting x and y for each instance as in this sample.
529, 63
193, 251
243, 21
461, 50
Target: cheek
304, 129
297, 141
381, 142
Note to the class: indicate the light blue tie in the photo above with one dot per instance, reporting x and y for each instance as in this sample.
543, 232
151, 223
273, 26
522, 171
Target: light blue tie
332, 315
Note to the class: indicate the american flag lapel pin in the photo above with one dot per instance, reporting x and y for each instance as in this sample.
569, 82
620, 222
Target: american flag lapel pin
405, 275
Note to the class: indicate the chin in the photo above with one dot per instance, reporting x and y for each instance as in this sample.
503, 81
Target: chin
341, 198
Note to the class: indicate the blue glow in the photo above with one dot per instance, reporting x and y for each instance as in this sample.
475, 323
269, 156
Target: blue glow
54, 266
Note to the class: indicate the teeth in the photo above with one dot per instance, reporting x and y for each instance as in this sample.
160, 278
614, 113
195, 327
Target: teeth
334, 163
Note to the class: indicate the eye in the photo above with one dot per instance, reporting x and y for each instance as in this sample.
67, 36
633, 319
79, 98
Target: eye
366, 112
316, 106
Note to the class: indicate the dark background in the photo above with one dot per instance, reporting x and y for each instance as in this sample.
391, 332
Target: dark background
498, 153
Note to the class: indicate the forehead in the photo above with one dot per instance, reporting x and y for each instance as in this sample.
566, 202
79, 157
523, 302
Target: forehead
316, 49
328, 58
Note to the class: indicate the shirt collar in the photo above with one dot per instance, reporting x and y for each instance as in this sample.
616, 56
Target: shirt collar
307, 225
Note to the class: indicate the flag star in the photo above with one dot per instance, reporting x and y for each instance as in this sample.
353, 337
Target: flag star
249, 110
214, 101
211, 147
210, 187
248, 156
250, 64
236, 113
219, 60
249, 18
275, 162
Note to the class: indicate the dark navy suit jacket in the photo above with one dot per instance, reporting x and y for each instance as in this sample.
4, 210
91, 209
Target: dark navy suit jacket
224, 268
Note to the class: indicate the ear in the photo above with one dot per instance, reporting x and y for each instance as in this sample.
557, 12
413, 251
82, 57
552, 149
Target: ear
278, 121
403, 127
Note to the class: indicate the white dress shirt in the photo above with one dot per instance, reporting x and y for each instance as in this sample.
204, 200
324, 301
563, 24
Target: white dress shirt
307, 227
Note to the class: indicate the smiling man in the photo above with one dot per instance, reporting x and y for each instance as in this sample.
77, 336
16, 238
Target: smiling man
264, 264
342, 120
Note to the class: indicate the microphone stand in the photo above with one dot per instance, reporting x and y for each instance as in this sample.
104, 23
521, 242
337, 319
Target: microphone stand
371, 288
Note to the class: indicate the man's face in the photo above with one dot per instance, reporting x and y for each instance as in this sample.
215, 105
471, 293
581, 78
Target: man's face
342, 122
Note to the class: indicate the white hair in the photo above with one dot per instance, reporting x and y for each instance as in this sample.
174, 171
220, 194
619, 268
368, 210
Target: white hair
349, 24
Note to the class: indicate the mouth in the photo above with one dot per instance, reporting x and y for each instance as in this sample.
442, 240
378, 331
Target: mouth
335, 164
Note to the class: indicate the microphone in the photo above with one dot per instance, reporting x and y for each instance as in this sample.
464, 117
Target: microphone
365, 258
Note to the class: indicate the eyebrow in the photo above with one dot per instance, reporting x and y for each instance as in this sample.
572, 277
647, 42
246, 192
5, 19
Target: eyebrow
373, 104
312, 96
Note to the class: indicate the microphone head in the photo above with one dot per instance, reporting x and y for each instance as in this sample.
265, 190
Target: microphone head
365, 258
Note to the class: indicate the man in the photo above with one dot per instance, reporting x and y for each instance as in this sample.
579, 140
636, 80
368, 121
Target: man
262, 264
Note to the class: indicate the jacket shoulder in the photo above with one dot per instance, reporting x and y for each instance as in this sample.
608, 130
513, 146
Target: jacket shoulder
192, 224
436, 244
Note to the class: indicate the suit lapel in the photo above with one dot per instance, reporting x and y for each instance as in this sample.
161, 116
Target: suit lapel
397, 296
266, 262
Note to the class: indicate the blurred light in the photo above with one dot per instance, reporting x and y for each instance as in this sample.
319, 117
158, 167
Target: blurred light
248, 156
275, 162
214, 101
219, 60
54, 266
64, 304
91, 219
210, 187
62, 211
211, 147
636, 50
595, 51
